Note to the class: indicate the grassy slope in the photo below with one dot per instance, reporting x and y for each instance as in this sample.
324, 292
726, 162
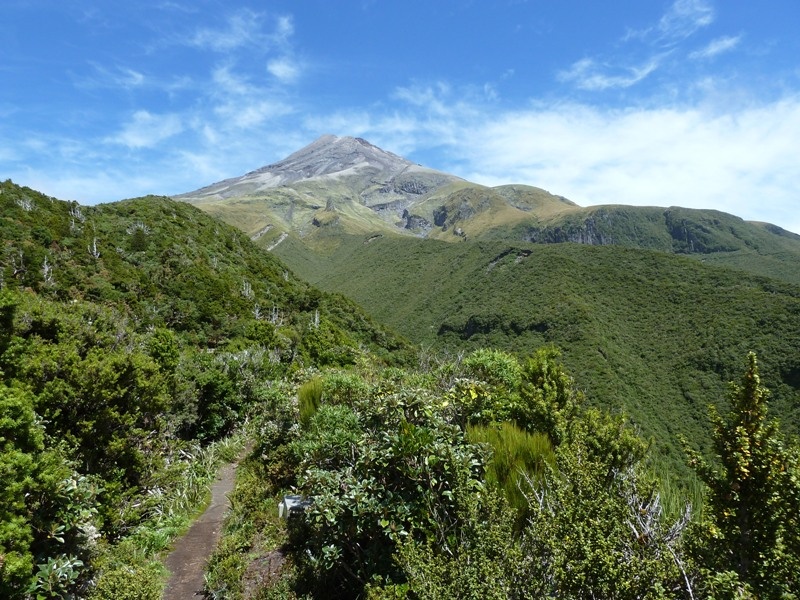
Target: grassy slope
653, 334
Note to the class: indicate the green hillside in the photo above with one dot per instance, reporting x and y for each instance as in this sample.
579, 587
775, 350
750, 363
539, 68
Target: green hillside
163, 263
708, 235
655, 335
135, 337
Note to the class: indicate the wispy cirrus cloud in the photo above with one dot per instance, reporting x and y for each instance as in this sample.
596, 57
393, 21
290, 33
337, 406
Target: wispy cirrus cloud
589, 74
240, 103
717, 46
127, 79
146, 130
244, 29
121, 77
681, 20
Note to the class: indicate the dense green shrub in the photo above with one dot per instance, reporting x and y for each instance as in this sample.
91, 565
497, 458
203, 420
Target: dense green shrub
344, 387
549, 402
404, 475
20, 443
142, 581
495, 367
600, 536
484, 561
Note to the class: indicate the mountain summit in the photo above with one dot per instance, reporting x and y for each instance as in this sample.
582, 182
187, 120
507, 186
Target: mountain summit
369, 168
334, 156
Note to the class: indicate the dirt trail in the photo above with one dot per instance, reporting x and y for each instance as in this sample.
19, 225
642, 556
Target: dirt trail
187, 561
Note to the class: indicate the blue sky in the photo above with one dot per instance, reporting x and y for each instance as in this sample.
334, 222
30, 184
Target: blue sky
676, 102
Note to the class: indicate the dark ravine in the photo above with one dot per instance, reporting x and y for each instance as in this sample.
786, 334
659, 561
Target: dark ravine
187, 561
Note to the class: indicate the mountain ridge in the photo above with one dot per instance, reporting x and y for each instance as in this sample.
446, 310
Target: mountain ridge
348, 186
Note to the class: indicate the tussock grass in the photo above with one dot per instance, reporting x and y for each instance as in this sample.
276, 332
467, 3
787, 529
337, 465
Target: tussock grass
309, 397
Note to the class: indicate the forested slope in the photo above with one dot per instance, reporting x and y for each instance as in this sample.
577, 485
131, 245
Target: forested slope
646, 332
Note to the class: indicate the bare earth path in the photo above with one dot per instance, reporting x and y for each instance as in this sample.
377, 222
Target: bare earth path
187, 561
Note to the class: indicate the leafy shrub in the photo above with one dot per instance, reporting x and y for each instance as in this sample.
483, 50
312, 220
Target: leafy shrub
470, 402
344, 387
609, 536
749, 534
500, 369
20, 442
142, 581
549, 401
330, 436
405, 475
484, 560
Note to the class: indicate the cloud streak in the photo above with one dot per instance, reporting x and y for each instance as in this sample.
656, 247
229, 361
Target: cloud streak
588, 74
716, 47
683, 19
284, 69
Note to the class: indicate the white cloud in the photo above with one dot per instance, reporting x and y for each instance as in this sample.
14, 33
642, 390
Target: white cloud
115, 77
130, 78
740, 161
240, 103
250, 113
587, 74
680, 21
146, 130
284, 69
242, 29
716, 47
434, 98
284, 29
657, 43
226, 82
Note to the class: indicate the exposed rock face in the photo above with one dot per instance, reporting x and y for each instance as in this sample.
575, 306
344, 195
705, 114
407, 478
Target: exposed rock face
416, 223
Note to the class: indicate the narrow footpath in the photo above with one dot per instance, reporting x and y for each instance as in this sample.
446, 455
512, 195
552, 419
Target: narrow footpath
188, 559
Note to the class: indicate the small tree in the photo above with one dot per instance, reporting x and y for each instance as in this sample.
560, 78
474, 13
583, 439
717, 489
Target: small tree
751, 524
549, 402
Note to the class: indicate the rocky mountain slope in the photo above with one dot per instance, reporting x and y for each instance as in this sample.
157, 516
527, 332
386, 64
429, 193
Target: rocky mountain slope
345, 181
